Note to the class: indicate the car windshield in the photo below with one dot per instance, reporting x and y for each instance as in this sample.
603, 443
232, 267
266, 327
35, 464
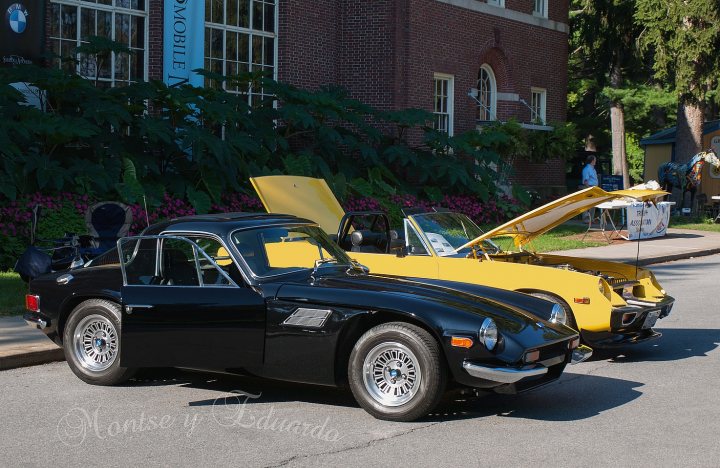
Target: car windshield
277, 250
449, 231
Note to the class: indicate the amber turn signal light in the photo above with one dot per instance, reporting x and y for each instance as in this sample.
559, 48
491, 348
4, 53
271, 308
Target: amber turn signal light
582, 300
32, 302
461, 342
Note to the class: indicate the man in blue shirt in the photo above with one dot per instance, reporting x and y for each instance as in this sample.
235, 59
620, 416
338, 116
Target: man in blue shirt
589, 179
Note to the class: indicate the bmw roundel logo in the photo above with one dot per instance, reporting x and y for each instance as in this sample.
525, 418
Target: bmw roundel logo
17, 17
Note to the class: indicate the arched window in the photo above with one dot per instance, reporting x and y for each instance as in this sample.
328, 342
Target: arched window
487, 94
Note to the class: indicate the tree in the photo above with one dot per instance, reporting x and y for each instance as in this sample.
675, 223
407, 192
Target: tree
604, 46
684, 36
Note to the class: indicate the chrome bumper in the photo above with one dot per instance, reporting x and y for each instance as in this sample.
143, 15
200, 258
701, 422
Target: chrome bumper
580, 354
35, 321
506, 375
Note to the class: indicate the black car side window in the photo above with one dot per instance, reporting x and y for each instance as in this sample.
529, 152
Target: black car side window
171, 260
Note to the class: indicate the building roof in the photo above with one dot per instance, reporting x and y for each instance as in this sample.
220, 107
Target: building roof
667, 136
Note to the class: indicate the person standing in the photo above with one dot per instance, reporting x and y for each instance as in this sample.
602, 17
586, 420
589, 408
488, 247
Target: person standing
589, 179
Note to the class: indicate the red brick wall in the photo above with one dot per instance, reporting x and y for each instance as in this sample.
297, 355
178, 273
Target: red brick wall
386, 51
309, 40
155, 40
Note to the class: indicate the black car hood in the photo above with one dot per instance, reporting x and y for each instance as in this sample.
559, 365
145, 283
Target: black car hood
397, 293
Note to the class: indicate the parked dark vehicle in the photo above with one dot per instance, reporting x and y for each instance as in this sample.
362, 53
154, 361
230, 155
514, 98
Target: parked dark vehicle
273, 296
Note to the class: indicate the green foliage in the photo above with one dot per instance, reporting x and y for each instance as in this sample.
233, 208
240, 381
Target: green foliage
146, 139
54, 224
684, 37
635, 157
12, 294
10, 247
511, 139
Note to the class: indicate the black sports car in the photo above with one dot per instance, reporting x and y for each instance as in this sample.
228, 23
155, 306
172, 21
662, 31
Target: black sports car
273, 296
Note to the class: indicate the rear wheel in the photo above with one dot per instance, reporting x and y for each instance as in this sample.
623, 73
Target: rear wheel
570, 321
396, 372
91, 342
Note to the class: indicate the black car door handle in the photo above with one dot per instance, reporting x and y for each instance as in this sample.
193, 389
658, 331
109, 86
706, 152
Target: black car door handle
130, 307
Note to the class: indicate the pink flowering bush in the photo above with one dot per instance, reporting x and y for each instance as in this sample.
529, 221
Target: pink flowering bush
65, 212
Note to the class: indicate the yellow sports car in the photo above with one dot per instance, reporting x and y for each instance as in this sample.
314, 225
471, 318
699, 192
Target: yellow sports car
610, 303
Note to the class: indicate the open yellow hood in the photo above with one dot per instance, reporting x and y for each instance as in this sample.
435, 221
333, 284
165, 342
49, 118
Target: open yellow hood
528, 226
304, 197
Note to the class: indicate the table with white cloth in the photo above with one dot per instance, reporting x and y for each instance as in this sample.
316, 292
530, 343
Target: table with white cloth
643, 220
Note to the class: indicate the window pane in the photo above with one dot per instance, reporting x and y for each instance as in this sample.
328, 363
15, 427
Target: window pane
104, 23
87, 23
231, 46
216, 15
122, 67
270, 18
257, 49
257, 15
244, 13
54, 21
216, 43
269, 51
243, 44
122, 28
137, 68
232, 12
68, 22
137, 37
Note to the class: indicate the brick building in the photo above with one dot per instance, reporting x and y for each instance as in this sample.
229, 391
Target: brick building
511, 55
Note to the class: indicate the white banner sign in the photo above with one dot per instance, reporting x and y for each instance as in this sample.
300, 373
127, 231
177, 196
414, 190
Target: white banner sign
646, 220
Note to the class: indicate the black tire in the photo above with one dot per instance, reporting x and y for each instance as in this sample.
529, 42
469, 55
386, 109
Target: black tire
108, 314
568, 311
424, 348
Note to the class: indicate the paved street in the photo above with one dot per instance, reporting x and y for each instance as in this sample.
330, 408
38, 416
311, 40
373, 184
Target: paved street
656, 405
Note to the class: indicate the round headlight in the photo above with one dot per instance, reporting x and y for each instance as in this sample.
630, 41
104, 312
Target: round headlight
558, 315
488, 334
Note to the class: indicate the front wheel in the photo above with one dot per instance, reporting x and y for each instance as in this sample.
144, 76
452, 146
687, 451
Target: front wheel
91, 341
396, 372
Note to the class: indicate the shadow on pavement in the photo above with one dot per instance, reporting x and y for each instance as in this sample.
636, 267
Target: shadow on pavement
675, 344
573, 397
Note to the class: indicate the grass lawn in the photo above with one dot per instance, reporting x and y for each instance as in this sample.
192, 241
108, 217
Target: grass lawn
565, 237
698, 224
12, 294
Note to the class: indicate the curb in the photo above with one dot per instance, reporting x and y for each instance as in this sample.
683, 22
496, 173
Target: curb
31, 358
680, 256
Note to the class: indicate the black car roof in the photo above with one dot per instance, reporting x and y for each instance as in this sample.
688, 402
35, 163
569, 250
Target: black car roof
223, 223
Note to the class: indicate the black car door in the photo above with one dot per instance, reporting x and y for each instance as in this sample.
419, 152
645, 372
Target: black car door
180, 309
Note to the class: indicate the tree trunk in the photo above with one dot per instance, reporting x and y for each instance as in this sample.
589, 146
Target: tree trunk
688, 138
617, 127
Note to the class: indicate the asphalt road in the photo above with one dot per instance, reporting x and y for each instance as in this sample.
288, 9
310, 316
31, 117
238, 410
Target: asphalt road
656, 405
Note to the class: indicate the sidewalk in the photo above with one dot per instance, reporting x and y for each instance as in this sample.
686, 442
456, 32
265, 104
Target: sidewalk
22, 345
678, 244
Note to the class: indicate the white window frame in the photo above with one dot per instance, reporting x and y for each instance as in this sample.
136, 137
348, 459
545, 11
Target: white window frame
492, 110
90, 5
539, 110
450, 112
497, 3
540, 8
251, 32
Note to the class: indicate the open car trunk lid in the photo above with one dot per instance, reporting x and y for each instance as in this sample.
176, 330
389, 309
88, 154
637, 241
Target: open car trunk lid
532, 224
304, 197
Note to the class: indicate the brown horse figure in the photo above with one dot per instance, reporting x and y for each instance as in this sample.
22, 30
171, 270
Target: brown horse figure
686, 176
